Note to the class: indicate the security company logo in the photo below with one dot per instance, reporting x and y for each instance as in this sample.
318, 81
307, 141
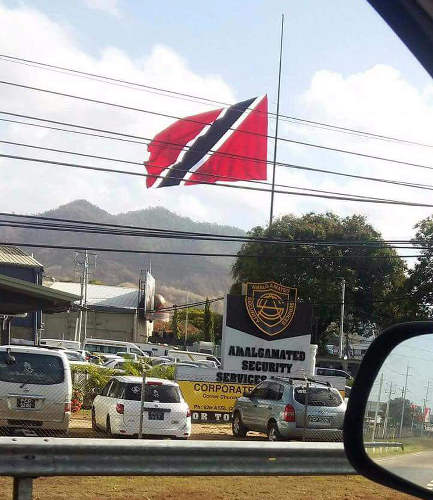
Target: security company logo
270, 306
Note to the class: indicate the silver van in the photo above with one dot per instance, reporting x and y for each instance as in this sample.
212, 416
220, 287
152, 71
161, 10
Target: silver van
35, 389
291, 408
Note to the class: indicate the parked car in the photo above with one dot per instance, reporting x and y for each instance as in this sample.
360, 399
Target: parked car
277, 407
117, 409
35, 389
75, 357
119, 364
333, 372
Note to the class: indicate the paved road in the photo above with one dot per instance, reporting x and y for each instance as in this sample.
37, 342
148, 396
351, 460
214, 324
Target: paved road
414, 467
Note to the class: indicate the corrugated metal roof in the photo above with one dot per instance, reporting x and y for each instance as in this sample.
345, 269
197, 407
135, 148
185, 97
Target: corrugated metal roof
103, 295
16, 256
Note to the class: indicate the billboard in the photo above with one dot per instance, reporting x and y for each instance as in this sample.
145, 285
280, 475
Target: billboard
265, 333
211, 402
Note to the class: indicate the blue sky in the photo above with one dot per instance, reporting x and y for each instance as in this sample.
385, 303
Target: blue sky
239, 39
342, 65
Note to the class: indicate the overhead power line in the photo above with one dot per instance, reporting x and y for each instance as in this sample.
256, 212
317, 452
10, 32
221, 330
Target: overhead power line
205, 235
231, 186
245, 158
199, 254
193, 98
76, 228
166, 115
231, 178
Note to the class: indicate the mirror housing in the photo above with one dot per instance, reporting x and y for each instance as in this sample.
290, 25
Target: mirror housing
353, 434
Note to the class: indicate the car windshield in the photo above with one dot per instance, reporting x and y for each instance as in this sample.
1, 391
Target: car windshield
317, 396
29, 368
74, 356
162, 393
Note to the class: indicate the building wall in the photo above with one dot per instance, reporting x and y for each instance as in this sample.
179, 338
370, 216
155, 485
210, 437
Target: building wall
100, 324
24, 328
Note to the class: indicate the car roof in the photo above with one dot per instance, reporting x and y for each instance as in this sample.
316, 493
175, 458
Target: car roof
30, 349
130, 379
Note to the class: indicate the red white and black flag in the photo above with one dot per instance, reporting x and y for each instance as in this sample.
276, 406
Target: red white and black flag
228, 144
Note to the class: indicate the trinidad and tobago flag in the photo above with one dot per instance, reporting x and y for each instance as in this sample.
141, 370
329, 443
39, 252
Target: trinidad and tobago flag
228, 144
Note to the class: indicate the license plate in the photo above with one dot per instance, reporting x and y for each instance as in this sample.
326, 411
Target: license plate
26, 402
324, 420
156, 415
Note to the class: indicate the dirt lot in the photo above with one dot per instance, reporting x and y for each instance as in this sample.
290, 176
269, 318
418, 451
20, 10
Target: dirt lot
211, 488
81, 426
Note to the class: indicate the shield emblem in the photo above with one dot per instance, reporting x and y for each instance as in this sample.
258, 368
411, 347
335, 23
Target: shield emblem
270, 306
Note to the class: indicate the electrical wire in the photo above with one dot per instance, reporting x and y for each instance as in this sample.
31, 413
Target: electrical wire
229, 178
198, 254
206, 235
192, 98
248, 188
166, 115
258, 160
215, 238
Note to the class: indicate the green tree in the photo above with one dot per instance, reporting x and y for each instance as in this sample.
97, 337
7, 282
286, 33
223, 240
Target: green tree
175, 323
395, 409
208, 326
374, 274
420, 282
195, 317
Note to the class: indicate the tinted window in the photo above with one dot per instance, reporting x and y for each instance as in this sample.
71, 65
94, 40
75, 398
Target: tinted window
275, 391
318, 396
106, 388
261, 391
116, 390
42, 369
161, 393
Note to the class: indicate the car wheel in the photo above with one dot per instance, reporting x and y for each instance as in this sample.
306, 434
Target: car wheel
108, 425
238, 428
273, 432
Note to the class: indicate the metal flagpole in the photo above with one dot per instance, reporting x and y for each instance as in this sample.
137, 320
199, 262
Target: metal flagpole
276, 124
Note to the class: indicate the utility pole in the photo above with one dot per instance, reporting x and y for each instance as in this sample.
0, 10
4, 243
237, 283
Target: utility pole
385, 424
82, 263
274, 163
404, 392
425, 404
186, 320
377, 406
343, 290
86, 282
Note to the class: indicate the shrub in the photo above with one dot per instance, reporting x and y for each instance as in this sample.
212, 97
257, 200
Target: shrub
89, 380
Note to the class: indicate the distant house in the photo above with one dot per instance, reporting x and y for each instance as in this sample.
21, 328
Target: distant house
112, 313
15, 263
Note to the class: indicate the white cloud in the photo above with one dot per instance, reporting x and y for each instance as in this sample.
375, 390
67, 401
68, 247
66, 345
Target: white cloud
109, 6
377, 100
27, 187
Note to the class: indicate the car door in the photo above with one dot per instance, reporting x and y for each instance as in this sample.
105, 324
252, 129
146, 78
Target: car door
249, 406
100, 404
266, 405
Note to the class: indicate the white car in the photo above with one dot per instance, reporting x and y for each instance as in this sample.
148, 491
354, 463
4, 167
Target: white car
117, 409
35, 389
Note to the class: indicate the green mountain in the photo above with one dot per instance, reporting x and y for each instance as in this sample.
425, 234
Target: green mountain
203, 276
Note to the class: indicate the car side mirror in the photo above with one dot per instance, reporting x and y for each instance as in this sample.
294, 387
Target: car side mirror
388, 429
247, 394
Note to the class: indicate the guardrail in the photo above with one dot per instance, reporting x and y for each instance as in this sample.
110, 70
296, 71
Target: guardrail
380, 444
28, 458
